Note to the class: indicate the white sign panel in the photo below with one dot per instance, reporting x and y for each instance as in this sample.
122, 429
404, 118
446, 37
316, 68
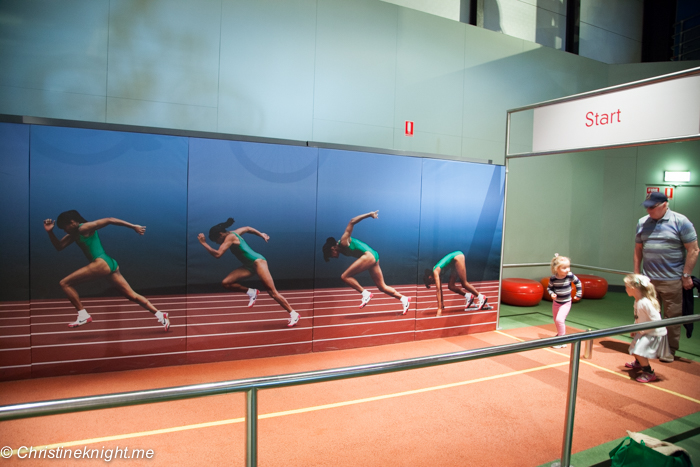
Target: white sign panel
668, 109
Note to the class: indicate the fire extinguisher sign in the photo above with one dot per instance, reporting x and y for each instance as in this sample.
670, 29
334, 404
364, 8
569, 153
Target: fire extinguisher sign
668, 191
408, 128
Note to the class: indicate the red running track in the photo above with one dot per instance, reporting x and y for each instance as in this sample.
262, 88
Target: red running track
36, 341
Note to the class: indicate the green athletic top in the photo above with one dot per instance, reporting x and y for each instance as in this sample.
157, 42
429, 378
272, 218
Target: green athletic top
244, 253
356, 248
446, 262
92, 247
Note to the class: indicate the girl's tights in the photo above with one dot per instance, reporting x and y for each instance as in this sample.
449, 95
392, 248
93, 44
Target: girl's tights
560, 311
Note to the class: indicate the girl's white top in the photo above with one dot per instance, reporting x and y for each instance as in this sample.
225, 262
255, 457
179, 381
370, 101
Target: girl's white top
644, 312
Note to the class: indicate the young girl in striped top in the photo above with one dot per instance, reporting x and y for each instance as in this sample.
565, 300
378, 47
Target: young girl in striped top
560, 290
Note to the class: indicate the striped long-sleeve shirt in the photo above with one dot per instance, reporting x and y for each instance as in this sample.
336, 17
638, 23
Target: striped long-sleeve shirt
562, 287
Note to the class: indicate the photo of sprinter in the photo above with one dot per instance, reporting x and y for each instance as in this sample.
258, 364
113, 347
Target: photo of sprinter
253, 263
455, 263
84, 234
367, 259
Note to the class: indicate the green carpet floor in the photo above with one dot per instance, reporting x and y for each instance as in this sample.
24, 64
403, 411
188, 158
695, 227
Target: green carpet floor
615, 309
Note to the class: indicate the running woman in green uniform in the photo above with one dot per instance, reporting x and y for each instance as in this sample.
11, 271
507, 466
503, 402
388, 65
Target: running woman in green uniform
367, 260
253, 263
454, 262
85, 234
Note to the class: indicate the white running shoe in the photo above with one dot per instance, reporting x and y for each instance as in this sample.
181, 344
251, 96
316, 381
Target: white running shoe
468, 300
80, 321
480, 301
561, 346
366, 297
293, 319
253, 297
406, 302
165, 322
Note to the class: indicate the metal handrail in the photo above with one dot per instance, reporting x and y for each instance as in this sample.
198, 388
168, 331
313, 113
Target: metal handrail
252, 385
582, 266
679, 27
684, 20
679, 43
686, 30
687, 52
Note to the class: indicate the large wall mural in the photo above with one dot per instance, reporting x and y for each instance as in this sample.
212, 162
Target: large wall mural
132, 250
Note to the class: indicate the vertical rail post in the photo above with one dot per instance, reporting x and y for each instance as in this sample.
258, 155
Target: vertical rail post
588, 348
251, 422
503, 222
571, 403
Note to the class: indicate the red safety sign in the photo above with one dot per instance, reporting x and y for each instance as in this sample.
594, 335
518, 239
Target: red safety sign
668, 192
409, 128
653, 189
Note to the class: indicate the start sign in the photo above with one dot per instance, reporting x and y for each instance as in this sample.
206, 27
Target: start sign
650, 112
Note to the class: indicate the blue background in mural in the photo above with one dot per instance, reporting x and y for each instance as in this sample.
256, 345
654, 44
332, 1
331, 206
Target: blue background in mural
296, 194
14, 192
354, 183
269, 187
139, 178
462, 209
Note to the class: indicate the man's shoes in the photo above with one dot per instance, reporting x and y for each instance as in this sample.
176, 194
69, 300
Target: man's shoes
667, 359
165, 322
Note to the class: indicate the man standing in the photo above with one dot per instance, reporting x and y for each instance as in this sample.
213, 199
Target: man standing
668, 244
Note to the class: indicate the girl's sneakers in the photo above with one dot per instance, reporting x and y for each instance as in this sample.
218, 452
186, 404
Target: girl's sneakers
647, 377
633, 365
